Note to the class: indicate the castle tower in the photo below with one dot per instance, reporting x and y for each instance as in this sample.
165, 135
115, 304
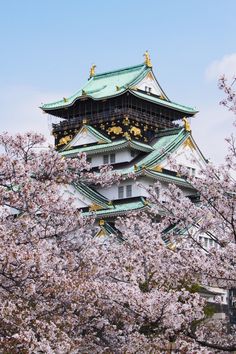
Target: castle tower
124, 118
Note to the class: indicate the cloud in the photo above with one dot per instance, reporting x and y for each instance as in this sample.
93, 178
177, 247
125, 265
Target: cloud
210, 128
20, 110
225, 65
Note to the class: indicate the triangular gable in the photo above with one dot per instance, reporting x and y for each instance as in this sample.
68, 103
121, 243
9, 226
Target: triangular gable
87, 135
150, 84
188, 155
80, 200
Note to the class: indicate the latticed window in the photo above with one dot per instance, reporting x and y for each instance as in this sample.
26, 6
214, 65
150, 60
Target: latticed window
112, 158
105, 159
109, 159
129, 191
121, 192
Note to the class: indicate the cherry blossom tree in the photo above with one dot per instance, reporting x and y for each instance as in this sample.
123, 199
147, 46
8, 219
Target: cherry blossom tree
153, 278
64, 291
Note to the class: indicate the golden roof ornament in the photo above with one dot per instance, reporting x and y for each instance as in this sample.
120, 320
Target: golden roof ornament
147, 59
92, 71
186, 125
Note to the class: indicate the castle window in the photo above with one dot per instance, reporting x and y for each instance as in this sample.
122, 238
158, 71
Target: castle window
105, 159
112, 158
109, 159
121, 192
129, 191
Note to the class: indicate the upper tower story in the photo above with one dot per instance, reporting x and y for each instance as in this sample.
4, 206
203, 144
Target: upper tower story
126, 103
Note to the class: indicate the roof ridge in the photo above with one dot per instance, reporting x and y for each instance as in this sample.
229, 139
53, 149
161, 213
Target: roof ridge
110, 72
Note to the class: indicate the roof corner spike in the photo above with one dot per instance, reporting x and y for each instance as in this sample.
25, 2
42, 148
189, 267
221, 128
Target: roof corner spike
92, 71
186, 125
147, 62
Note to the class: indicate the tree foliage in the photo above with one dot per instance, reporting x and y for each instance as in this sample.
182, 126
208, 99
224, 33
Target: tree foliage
64, 291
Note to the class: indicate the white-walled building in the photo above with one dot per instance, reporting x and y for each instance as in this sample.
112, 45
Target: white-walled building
124, 118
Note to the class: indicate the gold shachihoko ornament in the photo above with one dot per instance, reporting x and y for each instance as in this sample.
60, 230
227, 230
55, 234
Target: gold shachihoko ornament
186, 125
92, 70
147, 59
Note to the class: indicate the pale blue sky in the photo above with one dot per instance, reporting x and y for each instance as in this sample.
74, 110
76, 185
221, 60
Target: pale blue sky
47, 47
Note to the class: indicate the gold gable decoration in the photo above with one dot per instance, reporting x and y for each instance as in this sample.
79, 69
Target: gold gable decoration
188, 143
157, 168
95, 207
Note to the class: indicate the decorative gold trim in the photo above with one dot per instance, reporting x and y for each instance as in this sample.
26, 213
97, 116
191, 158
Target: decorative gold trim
150, 76
157, 168
101, 222
147, 59
127, 136
95, 207
115, 130
126, 120
135, 131
188, 143
64, 140
162, 97
101, 233
92, 71
186, 124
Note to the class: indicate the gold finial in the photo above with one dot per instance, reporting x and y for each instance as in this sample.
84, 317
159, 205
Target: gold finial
147, 59
84, 121
101, 222
135, 167
92, 70
186, 125
64, 99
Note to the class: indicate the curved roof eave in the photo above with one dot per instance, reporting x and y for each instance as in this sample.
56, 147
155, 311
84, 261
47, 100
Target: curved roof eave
164, 103
71, 100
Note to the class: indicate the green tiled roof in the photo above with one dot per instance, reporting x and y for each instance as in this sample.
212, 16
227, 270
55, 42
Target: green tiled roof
93, 195
107, 84
115, 145
160, 176
165, 103
115, 83
101, 138
164, 145
122, 208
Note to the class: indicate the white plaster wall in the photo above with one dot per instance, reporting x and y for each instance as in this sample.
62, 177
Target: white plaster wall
149, 81
187, 157
121, 156
83, 138
138, 188
80, 201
